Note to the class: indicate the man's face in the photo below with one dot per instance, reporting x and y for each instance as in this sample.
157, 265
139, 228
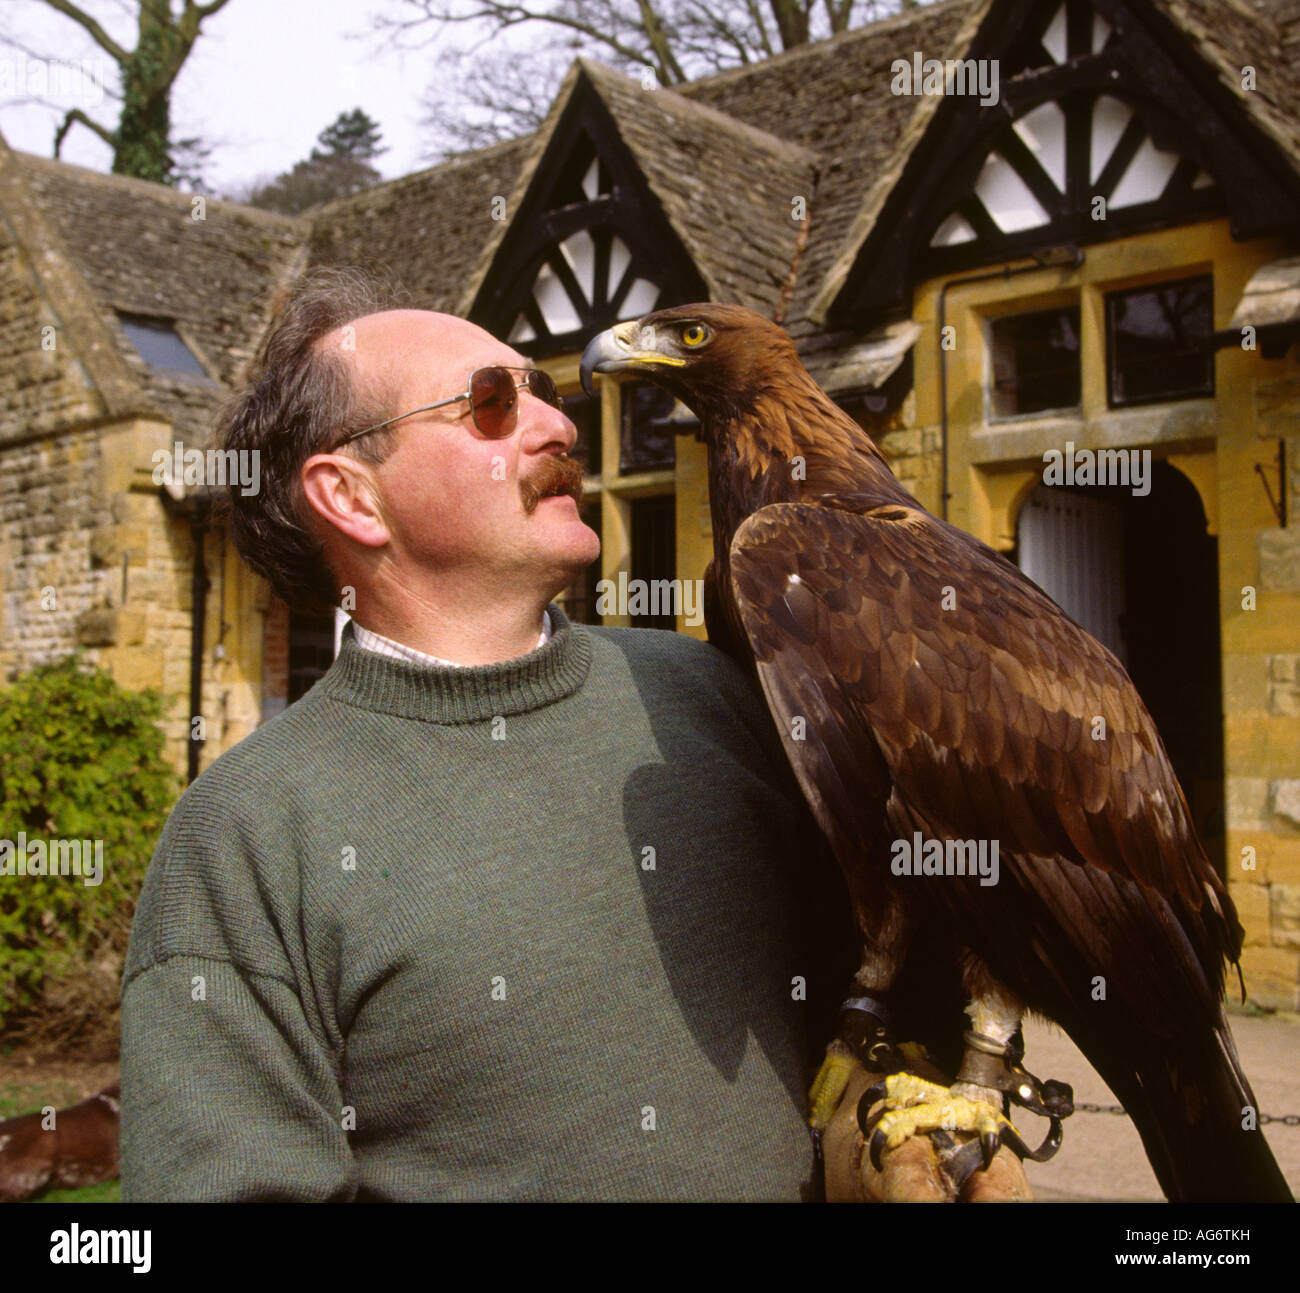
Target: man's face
452, 498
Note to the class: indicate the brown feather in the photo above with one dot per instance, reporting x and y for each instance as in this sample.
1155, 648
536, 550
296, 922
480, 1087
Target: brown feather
972, 720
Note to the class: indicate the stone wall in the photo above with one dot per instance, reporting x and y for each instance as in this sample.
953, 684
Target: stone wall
90, 561
90, 558
1262, 677
51, 505
50, 513
42, 383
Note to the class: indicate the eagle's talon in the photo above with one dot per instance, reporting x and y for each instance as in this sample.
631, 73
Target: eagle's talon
877, 1091
989, 1142
903, 1105
878, 1143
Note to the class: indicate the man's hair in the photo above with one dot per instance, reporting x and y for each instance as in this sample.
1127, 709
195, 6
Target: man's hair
300, 400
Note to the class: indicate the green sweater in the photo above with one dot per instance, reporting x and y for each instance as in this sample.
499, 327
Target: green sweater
514, 932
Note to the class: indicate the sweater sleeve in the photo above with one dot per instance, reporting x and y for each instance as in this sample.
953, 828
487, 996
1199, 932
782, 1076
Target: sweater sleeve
227, 1095
230, 1073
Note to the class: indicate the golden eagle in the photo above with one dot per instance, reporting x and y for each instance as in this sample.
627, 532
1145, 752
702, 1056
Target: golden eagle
978, 763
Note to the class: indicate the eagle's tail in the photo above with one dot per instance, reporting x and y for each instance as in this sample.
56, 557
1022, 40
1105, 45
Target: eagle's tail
1200, 1124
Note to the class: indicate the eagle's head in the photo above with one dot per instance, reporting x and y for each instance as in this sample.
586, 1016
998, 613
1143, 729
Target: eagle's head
717, 359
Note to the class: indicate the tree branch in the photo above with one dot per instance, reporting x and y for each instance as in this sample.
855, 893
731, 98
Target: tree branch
670, 70
193, 15
704, 28
12, 42
839, 15
96, 32
76, 115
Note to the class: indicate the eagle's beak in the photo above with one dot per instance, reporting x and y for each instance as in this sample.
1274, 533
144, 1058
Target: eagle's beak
622, 348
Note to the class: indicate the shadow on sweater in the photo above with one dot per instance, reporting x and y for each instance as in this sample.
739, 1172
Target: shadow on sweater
739, 918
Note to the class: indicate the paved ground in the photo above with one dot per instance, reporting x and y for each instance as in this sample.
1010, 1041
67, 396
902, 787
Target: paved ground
1102, 1158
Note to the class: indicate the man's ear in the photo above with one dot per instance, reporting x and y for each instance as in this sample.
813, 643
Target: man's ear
341, 492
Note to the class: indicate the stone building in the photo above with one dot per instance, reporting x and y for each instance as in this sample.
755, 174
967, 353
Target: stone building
1045, 250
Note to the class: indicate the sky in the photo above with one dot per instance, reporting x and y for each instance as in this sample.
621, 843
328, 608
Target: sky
265, 77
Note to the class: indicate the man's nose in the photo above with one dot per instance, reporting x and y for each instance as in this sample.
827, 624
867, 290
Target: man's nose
545, 425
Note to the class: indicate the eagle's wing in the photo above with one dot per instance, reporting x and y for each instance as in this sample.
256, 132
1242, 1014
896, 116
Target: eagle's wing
929, 671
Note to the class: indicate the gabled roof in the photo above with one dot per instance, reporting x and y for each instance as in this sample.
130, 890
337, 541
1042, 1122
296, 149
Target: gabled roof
428, 229
834, 97
46, 290
551, 207
1230, 36
1237, 124
726, 188
140, 250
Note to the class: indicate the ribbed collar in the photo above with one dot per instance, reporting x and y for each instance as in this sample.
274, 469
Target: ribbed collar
461, 695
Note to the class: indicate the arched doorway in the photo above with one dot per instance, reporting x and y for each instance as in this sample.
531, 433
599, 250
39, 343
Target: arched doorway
1141, 575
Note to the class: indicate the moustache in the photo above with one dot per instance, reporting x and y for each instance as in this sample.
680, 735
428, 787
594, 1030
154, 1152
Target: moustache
562, 475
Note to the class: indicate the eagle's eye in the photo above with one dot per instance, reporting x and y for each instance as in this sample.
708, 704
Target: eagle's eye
694, 334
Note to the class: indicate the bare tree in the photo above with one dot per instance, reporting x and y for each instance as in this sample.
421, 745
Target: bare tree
141, 141
485, 94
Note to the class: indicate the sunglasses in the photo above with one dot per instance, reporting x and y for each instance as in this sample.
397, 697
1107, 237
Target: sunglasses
493, 393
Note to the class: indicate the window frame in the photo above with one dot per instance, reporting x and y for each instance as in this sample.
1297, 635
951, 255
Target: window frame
615, 490
992, 418
1112, 294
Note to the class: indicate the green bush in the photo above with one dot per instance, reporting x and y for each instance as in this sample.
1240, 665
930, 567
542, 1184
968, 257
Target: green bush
80, 759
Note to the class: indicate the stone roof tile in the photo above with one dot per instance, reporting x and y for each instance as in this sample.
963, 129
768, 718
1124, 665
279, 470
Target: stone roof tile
725, 155
142, 251
834, 97
728, 188
425, 230
1231, 36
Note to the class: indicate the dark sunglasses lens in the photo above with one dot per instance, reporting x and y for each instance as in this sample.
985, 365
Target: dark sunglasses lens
541, 385
492, 397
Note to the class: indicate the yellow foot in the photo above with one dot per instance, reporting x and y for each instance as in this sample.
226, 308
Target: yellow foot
836, 1072
915, 1107
828, 1086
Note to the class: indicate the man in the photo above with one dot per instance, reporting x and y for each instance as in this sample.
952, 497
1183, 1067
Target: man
500, 909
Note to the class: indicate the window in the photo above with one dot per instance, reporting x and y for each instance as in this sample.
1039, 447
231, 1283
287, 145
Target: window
647, 438
159, 345
654, 553
1158, 342
584, 412
311, 651
629, 463
1035, 362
